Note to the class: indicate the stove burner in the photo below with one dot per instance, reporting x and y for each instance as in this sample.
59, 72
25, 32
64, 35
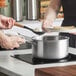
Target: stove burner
35, 61
39, 60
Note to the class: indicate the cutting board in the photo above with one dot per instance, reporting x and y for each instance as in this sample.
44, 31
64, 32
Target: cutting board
57, 71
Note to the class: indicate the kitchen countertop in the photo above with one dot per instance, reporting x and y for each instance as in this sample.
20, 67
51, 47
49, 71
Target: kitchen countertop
15, 67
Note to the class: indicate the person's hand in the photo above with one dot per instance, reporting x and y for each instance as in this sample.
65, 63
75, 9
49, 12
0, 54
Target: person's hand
49, 18
11, 42
46, 24
6, 22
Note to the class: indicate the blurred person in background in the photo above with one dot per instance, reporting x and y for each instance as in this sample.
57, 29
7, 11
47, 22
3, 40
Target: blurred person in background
69, 10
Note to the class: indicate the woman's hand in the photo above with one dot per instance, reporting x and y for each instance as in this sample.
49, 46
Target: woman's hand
6, 22
11, 42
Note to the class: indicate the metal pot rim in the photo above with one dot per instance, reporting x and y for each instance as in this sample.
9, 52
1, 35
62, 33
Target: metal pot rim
63, 38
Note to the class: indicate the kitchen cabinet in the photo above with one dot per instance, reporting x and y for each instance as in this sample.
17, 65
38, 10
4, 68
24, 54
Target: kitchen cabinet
57, 71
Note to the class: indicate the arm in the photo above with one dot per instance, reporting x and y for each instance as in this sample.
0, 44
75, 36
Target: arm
51, 13
2, 36
10, 42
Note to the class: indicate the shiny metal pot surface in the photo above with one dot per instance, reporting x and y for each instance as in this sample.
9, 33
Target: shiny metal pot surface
51, 47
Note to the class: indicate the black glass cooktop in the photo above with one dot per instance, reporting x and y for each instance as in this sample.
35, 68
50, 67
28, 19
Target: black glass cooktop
22, 47
35, 61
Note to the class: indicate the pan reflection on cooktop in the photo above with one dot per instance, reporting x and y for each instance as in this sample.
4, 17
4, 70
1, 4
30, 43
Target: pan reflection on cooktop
36, 61
22, 47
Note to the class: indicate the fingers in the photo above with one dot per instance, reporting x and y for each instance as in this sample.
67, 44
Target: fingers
11, 42
17, 41
2, 26
11, 22
44, 27
16, 45
20, 40
46, 24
